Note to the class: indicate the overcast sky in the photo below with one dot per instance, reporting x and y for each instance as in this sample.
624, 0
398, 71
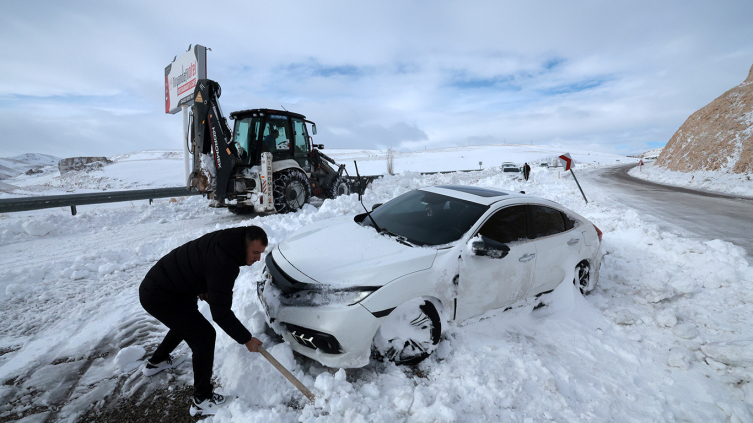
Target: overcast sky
87, 78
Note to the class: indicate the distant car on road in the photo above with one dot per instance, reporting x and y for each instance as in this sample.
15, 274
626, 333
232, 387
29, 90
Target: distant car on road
509, 167
390, 283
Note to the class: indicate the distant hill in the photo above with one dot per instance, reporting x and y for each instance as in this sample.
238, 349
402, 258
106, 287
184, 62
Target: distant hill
37, 159
718, 137
650, 155
13, 166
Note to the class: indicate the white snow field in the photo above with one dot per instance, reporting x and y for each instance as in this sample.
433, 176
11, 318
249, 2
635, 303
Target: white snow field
665, 337
708, 180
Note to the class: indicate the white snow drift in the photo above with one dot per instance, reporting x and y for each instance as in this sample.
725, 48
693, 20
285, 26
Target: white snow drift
666, 336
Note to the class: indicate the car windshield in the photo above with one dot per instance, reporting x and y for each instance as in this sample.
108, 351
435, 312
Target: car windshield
426, 218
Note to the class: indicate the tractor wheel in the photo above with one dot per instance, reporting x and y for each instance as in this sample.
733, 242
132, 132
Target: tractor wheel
291, 190
339, 187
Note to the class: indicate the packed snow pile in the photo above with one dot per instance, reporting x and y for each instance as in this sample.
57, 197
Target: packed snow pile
666, 335
718, 137
704, 180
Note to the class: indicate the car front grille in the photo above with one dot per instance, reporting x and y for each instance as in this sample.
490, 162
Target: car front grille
314, 339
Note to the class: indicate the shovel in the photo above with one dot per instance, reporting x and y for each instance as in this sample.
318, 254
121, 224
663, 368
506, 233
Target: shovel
287, 374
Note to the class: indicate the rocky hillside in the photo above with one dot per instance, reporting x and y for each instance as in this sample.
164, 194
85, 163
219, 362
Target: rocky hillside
717, 137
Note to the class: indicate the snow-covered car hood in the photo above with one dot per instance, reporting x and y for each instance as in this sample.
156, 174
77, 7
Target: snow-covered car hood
341, 253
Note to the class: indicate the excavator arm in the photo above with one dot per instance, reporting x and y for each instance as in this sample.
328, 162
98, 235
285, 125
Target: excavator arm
215, 157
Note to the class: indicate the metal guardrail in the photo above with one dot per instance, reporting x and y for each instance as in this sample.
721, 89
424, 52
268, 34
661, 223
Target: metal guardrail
10, 205
72, 200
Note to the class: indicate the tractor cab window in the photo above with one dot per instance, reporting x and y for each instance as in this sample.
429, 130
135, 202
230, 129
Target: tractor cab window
301, 152
244, 135
276, 137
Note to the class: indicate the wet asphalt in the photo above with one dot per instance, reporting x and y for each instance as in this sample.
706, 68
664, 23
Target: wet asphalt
705, 214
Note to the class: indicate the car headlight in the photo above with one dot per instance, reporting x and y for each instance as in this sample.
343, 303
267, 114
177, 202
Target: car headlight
321, 297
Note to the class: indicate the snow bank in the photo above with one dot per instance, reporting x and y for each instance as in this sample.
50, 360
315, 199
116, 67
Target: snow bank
707, 180
128, 358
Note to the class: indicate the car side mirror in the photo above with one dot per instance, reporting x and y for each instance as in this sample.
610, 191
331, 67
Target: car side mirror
319, 146
488, 248
374, 207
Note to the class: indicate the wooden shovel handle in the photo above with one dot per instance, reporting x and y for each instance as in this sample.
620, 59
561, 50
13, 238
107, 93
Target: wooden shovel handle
289, 376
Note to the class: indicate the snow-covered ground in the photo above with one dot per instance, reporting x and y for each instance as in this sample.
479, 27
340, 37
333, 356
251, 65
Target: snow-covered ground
13, 166
666, 335
722, 182
374, 162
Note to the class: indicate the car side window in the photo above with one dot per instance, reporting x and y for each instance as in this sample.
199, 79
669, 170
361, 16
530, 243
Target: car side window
546, 221
569, 222
506, 225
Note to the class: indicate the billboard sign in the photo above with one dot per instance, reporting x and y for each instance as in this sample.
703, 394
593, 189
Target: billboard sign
181, 76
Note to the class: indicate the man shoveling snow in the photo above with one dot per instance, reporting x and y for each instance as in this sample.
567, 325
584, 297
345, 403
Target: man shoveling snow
204, 268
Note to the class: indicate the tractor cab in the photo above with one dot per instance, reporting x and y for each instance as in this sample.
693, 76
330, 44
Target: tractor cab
281, 133
267, 164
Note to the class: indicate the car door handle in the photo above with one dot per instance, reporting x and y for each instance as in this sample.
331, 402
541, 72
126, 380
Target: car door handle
527, 257
573, 241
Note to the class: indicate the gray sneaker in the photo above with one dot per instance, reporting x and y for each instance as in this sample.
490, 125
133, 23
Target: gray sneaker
154, 368
208, 407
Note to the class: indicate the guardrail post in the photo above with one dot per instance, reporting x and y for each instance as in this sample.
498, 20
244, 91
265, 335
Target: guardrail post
73, 210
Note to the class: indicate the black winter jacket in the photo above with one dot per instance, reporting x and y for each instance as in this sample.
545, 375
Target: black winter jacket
210, 265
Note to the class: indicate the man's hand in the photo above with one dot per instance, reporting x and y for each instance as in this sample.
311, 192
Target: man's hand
204, 297
253, 345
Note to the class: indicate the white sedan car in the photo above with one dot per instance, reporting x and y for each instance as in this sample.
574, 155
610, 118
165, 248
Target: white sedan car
390, 282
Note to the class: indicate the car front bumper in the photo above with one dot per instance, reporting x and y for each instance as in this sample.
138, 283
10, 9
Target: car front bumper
335, 335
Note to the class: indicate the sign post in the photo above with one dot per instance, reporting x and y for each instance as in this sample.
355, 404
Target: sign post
640, 165
180, 80
567, 162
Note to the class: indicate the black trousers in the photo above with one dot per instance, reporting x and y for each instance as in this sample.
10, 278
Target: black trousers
181, 315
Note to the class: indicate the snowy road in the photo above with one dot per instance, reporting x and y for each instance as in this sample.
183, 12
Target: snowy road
705, 215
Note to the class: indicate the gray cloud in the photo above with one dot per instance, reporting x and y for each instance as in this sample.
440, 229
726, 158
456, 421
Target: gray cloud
86, 77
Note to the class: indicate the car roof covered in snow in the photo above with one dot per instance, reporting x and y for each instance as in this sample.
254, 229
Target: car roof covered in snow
480, 195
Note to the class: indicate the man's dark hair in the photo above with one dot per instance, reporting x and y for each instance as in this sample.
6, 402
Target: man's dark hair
254, 233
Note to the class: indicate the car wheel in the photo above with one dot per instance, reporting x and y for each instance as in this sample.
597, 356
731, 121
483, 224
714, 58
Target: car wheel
582, 276
409, 334
291, 191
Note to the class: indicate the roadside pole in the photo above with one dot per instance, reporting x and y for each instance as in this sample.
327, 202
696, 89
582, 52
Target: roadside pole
186, 152
567, 161
581, 189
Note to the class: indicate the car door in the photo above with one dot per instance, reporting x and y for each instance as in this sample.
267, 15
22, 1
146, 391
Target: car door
301, 144
487, 282
557, 247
